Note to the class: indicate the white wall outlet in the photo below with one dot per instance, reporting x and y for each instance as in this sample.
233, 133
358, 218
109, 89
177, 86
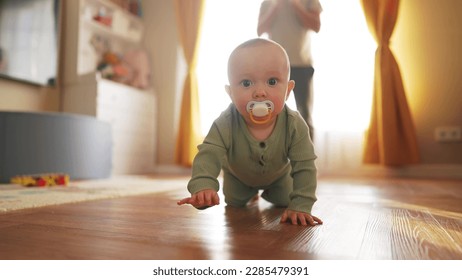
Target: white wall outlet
448, 134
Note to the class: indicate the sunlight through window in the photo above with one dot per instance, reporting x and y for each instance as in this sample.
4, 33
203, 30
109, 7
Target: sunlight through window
343, 53
226, 24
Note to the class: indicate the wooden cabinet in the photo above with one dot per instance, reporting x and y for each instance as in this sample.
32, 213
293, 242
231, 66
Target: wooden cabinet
130, 111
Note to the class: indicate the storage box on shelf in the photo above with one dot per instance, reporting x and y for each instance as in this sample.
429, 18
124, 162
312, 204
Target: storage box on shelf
130, 110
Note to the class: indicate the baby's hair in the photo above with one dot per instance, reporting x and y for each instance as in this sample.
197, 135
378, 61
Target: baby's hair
257, 42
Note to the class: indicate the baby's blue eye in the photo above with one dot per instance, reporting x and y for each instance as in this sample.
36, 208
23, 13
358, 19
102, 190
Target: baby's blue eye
246, 83
272, 82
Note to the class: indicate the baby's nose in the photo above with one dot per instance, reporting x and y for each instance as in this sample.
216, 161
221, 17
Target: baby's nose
259, 92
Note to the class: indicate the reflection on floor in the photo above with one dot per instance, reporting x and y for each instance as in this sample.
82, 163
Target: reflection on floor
363, 219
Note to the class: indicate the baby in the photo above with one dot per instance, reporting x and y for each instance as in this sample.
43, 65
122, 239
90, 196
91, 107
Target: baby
258, 142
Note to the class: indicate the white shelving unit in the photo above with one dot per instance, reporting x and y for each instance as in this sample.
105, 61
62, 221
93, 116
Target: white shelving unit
130, 111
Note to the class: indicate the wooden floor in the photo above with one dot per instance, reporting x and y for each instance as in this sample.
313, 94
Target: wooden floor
363, 219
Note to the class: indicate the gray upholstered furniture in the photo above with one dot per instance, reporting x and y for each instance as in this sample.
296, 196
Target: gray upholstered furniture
36, 143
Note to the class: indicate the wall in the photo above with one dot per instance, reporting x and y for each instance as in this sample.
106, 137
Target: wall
167, 67
17, 96
427, 43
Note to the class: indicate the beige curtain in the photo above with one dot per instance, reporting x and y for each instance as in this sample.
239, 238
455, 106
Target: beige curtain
391, 138
189, 17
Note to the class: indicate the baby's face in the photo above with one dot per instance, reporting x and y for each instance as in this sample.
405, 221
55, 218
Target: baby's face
259, 73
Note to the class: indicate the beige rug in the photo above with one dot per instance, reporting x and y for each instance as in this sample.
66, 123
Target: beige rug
14, 197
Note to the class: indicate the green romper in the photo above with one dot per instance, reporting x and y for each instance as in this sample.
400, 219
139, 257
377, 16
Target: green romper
282, 165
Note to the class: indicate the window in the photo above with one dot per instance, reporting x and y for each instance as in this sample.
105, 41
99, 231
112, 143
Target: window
226, 24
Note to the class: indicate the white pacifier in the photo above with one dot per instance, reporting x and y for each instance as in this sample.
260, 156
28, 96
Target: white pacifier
260, 109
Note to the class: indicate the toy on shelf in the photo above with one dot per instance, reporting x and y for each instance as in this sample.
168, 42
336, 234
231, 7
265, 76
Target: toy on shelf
138, 61
111, 64
132, 6
131, 68
113, 67
41, 180
103, 17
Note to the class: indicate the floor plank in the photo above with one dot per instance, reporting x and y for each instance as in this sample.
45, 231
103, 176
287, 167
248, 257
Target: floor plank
364, 218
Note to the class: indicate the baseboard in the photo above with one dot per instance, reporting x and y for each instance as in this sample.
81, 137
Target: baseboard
424, 171
172, 169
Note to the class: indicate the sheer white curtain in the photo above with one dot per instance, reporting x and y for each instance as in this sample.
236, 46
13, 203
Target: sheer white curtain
226, 24
343, 59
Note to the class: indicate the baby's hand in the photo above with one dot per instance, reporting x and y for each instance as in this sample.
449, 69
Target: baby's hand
202, 199
304, 218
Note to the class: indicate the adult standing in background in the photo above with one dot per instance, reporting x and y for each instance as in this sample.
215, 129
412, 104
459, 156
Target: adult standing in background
289, 23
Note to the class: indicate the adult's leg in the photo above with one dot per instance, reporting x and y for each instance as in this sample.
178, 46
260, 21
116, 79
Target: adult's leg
303, 94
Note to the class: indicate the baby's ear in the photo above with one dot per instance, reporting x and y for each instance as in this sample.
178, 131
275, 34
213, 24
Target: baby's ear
290, 87
228, 89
